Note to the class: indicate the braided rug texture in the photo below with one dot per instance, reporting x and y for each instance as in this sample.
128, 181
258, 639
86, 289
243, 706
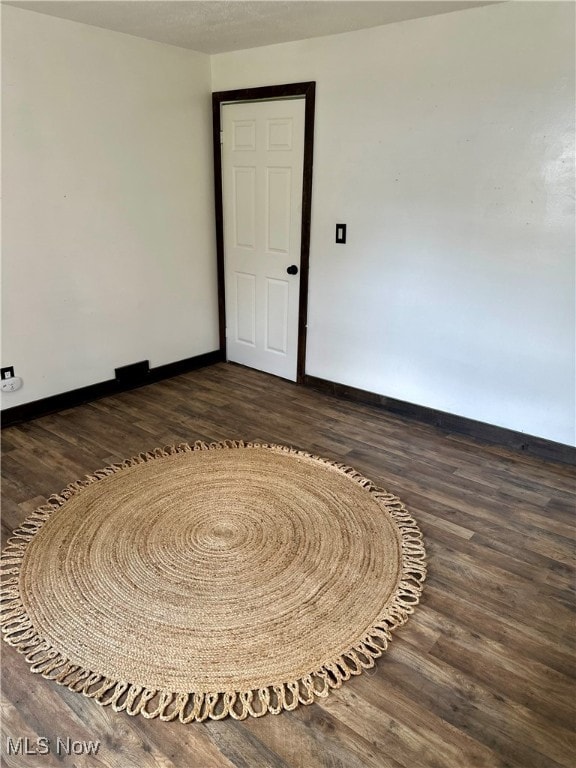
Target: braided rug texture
211, 580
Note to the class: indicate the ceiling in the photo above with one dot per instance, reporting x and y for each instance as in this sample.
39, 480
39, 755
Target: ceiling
215, 26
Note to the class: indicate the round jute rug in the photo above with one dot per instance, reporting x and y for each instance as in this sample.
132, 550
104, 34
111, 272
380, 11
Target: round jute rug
202, 581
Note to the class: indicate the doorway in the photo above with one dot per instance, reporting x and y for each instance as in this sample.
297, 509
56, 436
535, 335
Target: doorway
263, 154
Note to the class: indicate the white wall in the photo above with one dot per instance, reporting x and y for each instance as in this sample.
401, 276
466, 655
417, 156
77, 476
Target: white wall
108, 244
446, 145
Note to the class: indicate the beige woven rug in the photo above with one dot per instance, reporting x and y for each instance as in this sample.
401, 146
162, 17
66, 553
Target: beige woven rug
203, 581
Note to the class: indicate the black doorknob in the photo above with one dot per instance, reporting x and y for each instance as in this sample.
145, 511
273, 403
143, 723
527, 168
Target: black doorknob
292, 270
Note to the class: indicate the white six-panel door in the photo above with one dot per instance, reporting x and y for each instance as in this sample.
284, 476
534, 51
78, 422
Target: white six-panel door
262, 166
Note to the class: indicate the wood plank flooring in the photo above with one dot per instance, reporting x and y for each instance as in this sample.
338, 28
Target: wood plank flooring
481, 677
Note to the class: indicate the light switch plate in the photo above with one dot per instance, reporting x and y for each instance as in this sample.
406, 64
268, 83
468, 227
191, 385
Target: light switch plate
340, 233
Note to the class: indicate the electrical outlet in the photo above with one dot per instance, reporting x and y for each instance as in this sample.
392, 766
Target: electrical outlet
10, 384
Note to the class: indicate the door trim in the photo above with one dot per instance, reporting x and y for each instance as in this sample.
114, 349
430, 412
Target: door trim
269, 92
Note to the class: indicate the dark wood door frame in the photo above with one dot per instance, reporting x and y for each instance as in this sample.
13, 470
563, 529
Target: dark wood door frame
271, 92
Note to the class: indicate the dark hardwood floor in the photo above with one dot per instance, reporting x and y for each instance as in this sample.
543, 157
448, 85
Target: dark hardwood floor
481, 677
